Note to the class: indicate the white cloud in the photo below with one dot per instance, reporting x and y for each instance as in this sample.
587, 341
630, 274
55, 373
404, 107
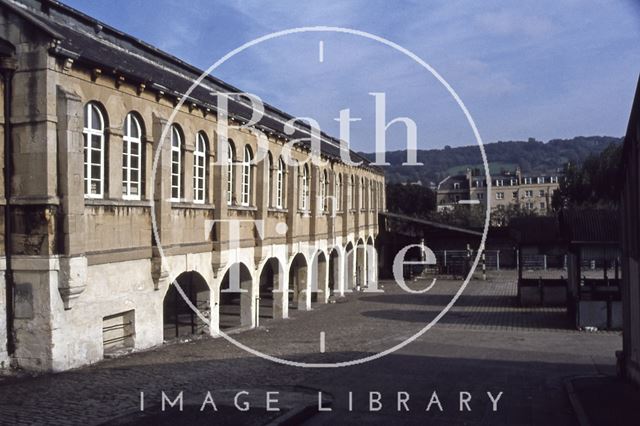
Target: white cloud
511, 23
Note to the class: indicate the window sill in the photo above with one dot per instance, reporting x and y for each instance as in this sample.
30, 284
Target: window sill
277, 210
191, 205
119, 203
243, 208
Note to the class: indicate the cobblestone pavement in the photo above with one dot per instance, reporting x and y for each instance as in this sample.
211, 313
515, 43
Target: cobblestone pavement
484, 344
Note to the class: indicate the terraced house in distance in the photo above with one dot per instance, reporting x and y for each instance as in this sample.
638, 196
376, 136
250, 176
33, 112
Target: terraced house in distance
83, 114
530, 192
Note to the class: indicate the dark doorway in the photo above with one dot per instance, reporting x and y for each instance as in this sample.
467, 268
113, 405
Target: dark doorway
179, 319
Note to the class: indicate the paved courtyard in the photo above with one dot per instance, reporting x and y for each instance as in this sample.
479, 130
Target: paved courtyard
485, 343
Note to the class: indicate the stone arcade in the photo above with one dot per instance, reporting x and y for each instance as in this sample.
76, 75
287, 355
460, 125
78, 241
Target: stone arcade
84, 107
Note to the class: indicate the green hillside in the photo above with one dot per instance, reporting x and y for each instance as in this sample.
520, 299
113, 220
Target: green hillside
532, 156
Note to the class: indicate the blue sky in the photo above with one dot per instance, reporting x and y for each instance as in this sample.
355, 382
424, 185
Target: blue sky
543, 69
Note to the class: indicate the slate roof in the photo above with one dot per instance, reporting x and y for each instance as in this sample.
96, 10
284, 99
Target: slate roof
447, 183
430, 223
95, 44
590, 226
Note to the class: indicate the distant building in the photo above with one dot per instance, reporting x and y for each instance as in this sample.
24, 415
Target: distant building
531, 192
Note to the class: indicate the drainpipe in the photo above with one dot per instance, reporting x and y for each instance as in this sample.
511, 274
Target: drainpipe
8, 66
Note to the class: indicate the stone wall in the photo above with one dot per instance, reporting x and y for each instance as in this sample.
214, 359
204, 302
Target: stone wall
4, 356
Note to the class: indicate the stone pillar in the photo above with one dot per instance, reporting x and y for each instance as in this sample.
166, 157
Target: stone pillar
73, 263
4, 355
304, 287
113, 159
161, 198
280, 297
339, 280
292, 205
262, 192
345, 205
220, 229
314, 204
357, 220
187, 169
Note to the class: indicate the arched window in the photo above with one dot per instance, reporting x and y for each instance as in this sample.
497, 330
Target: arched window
324, 192
131, 158
352, 193
374, 192
371, 194
269, 179
200, 169
246, 176
230, 157
338, 192
280, 184
362, 193
176, 163
94, 151
304, 189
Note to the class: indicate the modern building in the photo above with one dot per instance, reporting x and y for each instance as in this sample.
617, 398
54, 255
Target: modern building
531, 192
630, 208
93, 167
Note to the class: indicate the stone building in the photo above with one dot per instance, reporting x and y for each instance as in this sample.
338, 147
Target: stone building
531, 192
84, 118
630, 206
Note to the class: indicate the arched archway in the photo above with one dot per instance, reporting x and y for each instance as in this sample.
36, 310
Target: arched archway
334, 272
271, 287
319, 287
179, 319
298, 283
236, 298
349, 267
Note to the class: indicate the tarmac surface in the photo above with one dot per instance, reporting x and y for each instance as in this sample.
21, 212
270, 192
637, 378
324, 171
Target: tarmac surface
487, 361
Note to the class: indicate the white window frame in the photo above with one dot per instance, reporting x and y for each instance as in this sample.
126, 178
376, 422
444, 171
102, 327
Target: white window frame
247, 156
528, 193
528, 181
230, 155
499, 195
323, 192
304, 189
338, 192
280, 184
128, 142
269, 180
371, 195
351, 196
456, 185
176, 148
540, 179
499, 182
200, 169
89, 133
553, 179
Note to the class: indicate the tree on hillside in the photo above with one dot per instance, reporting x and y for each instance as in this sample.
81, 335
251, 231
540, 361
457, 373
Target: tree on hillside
411, 200
594, 183
503, 214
